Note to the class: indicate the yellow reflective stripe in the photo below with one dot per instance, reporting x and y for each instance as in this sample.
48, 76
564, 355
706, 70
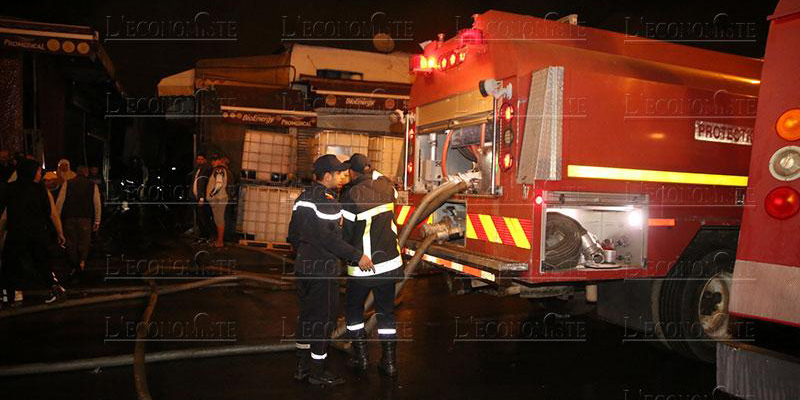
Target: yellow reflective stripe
401, 217
645, 175
471, 230
488, 227
366, 240
364, 215
430, 219
520, 240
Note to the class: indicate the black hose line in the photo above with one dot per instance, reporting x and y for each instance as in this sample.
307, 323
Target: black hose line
127, 359
233, 276
139, 372
428, 205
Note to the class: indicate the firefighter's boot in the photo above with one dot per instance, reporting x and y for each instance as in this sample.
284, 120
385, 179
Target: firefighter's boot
388, 358
303, 364
321, 376
358, 360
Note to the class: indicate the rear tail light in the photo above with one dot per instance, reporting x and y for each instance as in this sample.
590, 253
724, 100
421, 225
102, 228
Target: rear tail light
410, 168
508, 161
782, 202
507, 112
506, 115
788, 125
785, 164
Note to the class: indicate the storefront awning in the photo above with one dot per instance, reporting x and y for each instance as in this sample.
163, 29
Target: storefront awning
60, 39
180, 84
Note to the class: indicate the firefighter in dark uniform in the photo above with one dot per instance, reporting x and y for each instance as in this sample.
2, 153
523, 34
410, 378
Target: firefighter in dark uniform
368, 211
315, 233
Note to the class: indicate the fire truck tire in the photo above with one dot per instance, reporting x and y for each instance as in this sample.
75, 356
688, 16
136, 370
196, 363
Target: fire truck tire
693, 305
562, 242
706, 299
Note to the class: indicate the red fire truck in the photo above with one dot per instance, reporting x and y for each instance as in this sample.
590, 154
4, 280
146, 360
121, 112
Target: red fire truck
591, 162
766, 278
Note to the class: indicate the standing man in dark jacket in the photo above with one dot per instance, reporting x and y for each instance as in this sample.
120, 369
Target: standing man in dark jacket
80, 208
368, 210
29, 210
315, 233
198, 182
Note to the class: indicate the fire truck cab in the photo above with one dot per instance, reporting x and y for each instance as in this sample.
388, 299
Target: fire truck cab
597, 163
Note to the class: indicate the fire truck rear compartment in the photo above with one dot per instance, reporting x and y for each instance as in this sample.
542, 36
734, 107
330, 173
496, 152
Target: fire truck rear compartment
462, 154
594, 231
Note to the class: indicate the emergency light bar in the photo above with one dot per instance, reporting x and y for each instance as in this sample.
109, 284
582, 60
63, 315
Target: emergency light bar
442, 62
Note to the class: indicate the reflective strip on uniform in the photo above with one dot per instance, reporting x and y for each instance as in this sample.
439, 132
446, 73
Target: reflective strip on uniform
302, 346
366, 239
319, 213
367, 216
362, 216
348, 215
355, 327
387, 331
319, 357
380, 268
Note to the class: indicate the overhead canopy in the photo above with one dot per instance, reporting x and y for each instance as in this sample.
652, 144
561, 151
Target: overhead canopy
87, 59
259, 71
180, 84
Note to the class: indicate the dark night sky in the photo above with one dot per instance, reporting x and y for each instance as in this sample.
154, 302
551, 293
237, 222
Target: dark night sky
260, 25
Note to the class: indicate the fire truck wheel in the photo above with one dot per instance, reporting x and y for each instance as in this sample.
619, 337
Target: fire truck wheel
695, 305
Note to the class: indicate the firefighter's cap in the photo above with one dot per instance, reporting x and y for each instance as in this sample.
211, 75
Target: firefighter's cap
328, 163
358, 162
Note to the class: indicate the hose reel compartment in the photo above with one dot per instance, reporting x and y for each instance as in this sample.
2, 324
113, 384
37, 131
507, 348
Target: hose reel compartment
593, 231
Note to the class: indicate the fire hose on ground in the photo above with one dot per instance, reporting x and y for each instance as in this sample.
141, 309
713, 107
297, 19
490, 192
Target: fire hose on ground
139, 358
429, 204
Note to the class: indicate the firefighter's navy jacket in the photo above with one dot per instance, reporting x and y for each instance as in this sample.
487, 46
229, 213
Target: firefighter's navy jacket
315, 233
368, 211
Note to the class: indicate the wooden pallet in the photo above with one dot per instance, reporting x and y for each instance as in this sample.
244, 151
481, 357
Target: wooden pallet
277, 246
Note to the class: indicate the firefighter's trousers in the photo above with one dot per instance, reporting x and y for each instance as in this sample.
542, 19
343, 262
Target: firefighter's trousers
319, 299
357, 291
